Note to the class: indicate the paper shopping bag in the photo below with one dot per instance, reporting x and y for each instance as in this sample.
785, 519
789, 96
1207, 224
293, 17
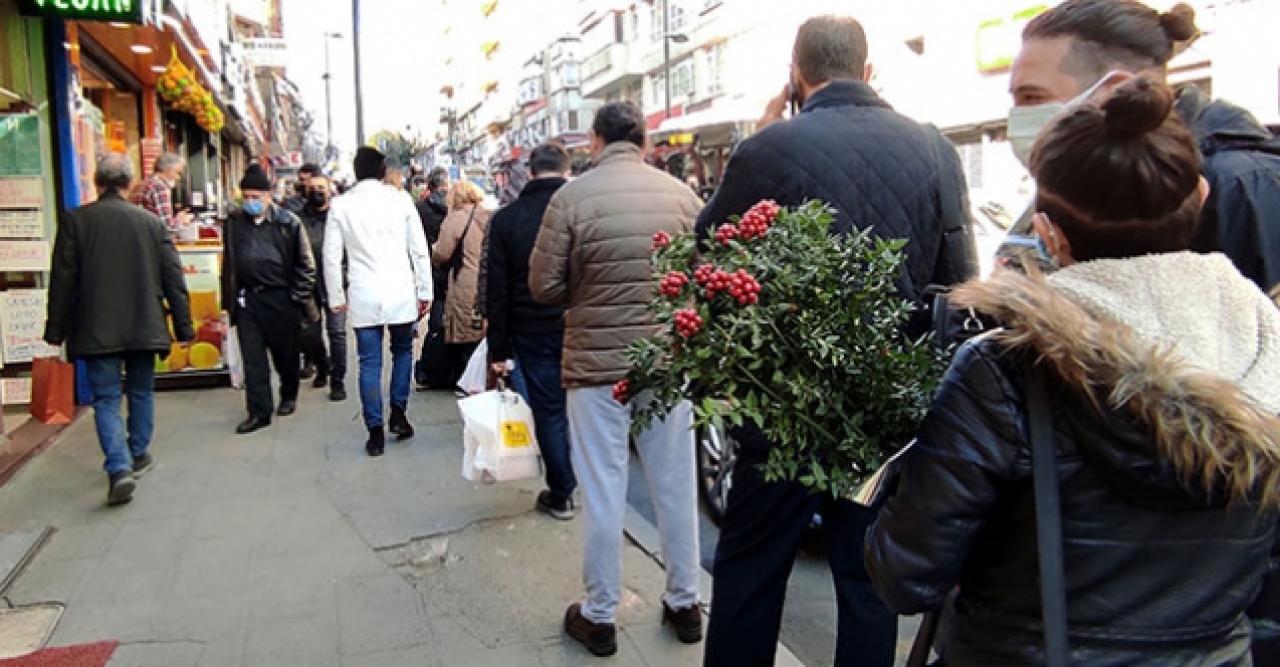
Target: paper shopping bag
53, 384
498, 438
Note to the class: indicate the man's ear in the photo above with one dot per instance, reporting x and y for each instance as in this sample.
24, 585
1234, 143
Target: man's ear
1204, 189
869, 72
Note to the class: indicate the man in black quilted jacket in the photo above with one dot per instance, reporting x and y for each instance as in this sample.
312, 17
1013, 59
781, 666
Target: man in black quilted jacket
879, 169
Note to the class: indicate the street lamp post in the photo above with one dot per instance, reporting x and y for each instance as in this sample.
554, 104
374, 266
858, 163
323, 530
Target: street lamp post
355, 47
328, 96
667, 38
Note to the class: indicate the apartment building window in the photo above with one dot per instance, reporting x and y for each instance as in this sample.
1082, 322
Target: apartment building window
715, 70
569, 74
682, 80
635, 24
678, 18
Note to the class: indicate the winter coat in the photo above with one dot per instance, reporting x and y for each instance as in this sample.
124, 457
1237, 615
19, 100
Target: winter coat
313, 223
461, 322
1242, 165
593, 255
512, 233
878, 168
1164, 381
432, 211
287, 257
387, 262
115, 276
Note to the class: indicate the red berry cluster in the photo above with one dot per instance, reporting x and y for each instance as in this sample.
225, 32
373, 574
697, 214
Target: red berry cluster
688, 322
744, 287
622, 391
673, 284
755, 222
717, 281
726, 233
660, 240
702, 275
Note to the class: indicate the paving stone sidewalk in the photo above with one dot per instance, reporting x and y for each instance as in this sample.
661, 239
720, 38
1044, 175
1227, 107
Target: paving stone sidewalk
291, 547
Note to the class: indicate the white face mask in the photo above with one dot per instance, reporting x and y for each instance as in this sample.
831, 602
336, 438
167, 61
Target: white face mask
1025, 123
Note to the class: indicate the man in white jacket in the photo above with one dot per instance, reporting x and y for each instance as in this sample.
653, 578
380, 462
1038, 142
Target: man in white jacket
389, 269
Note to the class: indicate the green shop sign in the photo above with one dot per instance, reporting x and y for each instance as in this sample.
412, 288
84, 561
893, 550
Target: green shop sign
123, 11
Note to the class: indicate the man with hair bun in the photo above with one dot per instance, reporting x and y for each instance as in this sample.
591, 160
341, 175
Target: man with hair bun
1091, 46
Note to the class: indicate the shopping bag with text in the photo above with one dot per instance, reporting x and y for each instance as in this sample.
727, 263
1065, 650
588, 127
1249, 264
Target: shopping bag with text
499, 444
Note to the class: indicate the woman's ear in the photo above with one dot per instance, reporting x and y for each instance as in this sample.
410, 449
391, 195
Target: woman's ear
1204, 189
1055, 241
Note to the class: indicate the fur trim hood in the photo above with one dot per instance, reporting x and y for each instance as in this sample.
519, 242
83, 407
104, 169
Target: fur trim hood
1181, 342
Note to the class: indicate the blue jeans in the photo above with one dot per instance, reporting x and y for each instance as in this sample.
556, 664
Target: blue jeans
369, 349
538, 360
139, 377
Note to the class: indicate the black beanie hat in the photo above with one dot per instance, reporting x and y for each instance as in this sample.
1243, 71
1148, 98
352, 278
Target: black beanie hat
370, 163
255, 179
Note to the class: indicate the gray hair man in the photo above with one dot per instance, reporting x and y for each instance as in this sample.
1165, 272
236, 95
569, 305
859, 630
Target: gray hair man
156, 193
110, 259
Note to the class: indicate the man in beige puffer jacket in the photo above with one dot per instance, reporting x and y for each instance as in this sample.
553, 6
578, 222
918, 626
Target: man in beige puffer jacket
593, 255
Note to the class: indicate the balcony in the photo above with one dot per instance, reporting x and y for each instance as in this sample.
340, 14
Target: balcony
609, 68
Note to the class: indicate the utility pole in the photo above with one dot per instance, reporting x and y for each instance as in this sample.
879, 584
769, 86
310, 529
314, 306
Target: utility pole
355, 43
666, 53
328, 97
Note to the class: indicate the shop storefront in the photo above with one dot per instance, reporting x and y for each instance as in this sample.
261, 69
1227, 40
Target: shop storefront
142, 88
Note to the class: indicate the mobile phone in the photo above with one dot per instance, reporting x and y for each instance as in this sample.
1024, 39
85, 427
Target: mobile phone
793, 99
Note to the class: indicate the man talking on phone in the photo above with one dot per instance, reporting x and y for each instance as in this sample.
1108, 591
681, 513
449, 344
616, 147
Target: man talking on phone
846, 147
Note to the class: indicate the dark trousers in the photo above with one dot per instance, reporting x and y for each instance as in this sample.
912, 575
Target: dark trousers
458, 355
538, 358
759, 537
333, 360
268, 323
433, 367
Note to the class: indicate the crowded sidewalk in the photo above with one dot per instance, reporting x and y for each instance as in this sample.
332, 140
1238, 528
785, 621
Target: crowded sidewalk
292, 547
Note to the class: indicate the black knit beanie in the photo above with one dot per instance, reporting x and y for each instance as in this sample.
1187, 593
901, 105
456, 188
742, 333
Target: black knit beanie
255, 179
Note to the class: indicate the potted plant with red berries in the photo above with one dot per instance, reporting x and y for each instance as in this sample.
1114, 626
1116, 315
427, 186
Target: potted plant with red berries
778, 323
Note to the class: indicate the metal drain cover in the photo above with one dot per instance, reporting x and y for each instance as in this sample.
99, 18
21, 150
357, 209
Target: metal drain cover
26, 629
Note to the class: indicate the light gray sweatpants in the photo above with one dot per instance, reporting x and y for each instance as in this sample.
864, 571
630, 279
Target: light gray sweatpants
599, 428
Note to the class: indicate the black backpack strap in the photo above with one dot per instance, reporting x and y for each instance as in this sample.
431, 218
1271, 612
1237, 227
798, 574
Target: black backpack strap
1053, 595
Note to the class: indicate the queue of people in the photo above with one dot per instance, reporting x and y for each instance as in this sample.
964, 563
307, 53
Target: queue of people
1149, 349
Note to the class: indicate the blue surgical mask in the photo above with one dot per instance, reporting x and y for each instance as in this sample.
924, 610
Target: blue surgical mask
254, 207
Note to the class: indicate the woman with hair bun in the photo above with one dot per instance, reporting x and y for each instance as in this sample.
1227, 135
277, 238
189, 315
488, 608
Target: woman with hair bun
1160, 373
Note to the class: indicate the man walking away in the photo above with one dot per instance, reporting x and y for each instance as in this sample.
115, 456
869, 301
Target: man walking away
331, 364
529, 332
111, 260
432, 370
390, 286
878, 169
268, 276
156, 193
593, 255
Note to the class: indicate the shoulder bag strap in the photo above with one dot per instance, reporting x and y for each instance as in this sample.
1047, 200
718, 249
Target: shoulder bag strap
455, 260
1053, 596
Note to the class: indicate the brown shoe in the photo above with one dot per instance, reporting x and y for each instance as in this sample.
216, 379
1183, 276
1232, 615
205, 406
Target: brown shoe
686, 622
601, 639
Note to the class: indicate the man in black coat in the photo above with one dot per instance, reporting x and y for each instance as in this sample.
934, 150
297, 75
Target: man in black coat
877, 169
432, 370
268, 277
330, 364
531, 333
115, 273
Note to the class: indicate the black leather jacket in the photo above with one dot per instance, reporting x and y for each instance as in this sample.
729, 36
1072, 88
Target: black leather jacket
1159, 566
296, 270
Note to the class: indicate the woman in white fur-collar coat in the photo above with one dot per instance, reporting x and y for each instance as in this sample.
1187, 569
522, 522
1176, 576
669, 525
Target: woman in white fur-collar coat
1163, 376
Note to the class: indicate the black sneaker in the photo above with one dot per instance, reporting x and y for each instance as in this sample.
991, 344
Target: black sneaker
252, 424
287, 408
120, 488
308, 371
562, 510
376, 443
321, 381
686, 622
399, 424
142, 464
601, 639
337, 392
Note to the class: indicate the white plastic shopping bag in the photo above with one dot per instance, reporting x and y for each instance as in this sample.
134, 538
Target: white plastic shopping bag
498, 438
475, 378
235, 362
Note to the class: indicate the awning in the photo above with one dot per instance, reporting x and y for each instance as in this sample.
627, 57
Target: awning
725, 113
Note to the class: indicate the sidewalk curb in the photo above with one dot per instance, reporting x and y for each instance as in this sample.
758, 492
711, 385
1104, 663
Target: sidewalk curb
645, 535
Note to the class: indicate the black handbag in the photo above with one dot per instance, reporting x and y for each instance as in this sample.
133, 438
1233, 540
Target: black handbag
1053, 593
